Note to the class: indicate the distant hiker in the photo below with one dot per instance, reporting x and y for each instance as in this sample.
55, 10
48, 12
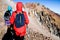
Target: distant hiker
20, 20
9, 34
7, 15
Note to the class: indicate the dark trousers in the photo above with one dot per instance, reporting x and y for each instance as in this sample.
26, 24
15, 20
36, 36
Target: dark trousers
19, 38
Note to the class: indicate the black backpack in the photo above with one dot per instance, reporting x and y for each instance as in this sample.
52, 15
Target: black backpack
7, 15
19, 20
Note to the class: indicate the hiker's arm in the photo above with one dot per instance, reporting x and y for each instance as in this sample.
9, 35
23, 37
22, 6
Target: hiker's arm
12, 18
26, 18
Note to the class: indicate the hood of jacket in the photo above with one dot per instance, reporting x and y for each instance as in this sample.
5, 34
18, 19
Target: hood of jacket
10, 9
19, 6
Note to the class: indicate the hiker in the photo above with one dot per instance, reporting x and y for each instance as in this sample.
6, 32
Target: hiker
8, 35
20, 20
7, 15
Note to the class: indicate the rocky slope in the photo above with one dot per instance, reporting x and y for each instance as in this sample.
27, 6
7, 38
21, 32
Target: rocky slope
46, 17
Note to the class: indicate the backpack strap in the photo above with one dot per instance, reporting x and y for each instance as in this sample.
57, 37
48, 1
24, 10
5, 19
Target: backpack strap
22, 11
16, 11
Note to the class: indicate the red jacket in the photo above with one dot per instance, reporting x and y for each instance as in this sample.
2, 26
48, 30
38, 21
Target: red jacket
22, 30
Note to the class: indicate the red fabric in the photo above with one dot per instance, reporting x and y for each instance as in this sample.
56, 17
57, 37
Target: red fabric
19, 7
19, 31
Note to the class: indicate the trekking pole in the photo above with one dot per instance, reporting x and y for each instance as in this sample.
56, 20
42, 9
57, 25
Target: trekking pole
28, 33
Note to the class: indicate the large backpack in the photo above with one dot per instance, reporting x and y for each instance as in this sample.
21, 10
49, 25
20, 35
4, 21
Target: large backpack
19, 20
7, 15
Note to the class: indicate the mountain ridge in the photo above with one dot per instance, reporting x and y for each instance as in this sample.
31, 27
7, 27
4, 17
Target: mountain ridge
41, 20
